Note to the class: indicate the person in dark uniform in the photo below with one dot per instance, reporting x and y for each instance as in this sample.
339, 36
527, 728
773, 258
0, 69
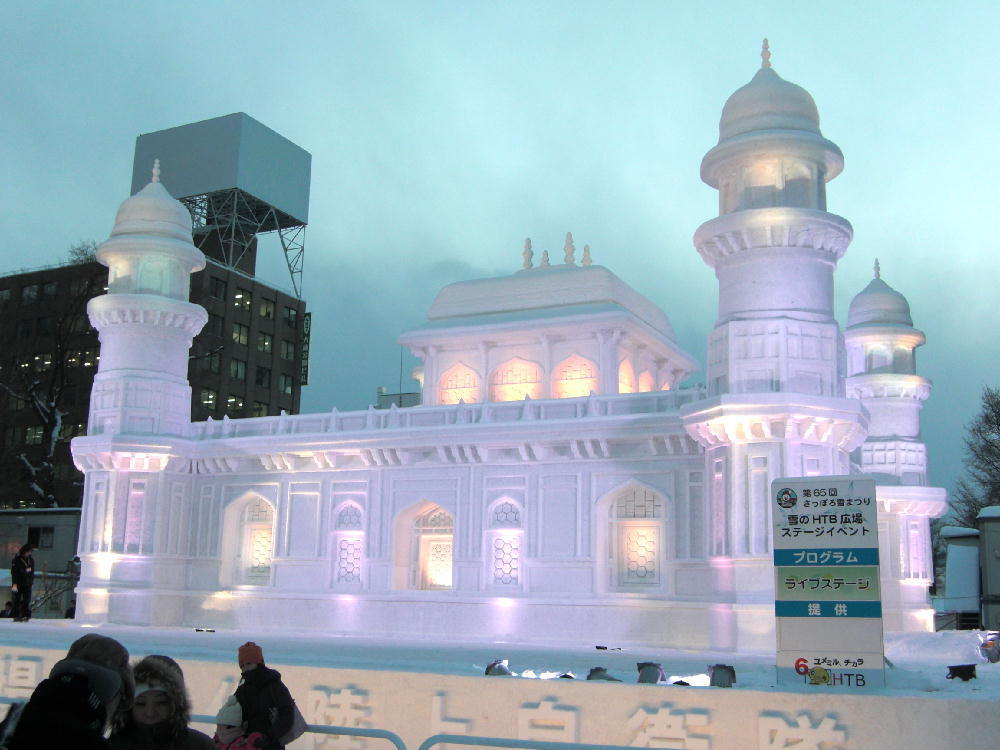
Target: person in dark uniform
22, 575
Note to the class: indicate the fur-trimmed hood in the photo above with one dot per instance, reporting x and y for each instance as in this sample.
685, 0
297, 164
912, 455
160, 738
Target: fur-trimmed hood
162, 673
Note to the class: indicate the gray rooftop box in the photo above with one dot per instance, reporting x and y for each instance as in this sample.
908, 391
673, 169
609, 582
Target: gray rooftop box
234, 151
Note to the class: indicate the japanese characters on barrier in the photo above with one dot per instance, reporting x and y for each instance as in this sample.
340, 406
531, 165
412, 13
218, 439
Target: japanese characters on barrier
826, 583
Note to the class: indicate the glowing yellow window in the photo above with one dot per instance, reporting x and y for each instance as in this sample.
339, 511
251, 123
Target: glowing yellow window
574, 377
626, 377
514, 380
459, 383
646, 382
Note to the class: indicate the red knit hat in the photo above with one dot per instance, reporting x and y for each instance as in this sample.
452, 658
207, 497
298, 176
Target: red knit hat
250, 653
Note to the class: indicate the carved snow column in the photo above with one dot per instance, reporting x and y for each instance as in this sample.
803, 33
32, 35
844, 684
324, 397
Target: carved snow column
775, 401
145, 321
607, 342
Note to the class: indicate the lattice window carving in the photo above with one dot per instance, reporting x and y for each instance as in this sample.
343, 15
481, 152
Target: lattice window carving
349, 559
506, 515
506, 559
349, 517
638, 503
640, 548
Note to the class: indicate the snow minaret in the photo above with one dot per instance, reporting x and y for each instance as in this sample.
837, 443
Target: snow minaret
881, 367
775, 401
145, 321
882, 374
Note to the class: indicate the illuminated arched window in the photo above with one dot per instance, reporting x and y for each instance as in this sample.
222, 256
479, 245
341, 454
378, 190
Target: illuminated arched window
636, 520
574, 377
626, 377
434, 530
256, 542
459, 382
515, 379
646, 382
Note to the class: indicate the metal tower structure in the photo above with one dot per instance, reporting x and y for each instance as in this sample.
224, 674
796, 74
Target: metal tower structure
239, 179
232, 219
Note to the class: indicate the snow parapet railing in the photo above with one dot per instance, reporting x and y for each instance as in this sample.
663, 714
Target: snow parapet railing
418, 417
377, 734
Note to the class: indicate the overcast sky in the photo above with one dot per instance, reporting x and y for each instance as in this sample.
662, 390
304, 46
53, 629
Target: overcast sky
444, 133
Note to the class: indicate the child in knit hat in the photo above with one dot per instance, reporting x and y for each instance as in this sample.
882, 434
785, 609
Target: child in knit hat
230, 729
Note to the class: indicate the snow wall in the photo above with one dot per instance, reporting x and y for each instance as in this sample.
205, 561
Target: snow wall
416, 706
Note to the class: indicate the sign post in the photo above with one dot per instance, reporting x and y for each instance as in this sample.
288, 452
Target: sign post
827, 600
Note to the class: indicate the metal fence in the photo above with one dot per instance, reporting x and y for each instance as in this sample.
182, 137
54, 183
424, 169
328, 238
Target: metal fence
439, 739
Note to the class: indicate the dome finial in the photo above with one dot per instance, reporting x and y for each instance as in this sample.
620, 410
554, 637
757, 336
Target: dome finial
156, 170
568, 250
528, 253
765, 55
878, 270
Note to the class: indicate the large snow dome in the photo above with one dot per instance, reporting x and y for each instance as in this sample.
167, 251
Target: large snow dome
546, 292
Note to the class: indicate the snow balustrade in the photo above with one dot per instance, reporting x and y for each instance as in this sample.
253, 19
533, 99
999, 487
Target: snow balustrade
497, 412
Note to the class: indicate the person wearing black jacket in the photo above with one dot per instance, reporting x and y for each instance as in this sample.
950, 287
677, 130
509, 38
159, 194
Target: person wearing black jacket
267, 705
22, 575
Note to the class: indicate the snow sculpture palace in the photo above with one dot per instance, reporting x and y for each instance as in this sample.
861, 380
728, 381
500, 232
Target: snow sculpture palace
557, 482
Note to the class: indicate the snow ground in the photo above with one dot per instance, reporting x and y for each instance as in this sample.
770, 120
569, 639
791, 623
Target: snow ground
920, 660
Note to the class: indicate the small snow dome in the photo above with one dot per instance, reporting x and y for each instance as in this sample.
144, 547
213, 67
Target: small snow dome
153, 211
768, 102
879, 304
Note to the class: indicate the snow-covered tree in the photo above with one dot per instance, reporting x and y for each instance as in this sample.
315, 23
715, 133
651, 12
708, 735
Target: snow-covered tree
41, 363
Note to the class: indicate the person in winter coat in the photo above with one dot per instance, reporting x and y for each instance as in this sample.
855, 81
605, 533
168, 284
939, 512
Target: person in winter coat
73, 707
22, 575
230, 729
158, 720
267, 705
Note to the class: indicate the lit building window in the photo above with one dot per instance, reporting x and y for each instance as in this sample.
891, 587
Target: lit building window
514, 380
267, 309
626, 377
264, 342
574, 377
646, 382
259, 409
33, 435
209, 398
241, 333
459, 383
242, 299
286, 384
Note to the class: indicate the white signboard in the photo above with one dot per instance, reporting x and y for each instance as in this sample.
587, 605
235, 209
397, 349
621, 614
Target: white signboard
827, 600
